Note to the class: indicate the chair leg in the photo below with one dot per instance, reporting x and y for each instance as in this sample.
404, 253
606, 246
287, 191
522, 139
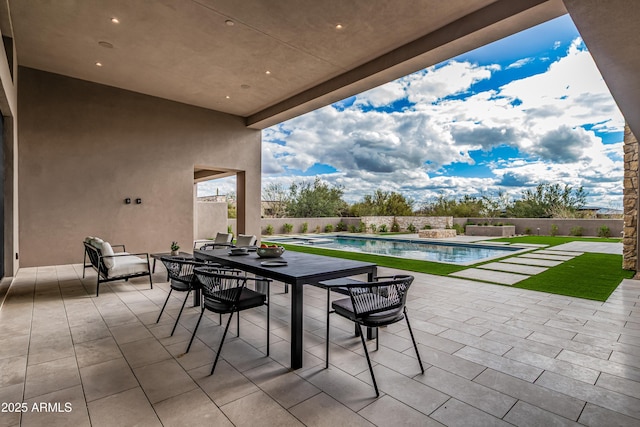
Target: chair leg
414, 340
366, 353
165, 304
326, 359
226, 329
180, 314
238, 324
195, 330
98, 285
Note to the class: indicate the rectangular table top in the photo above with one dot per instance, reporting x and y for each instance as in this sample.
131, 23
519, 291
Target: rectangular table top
301, 268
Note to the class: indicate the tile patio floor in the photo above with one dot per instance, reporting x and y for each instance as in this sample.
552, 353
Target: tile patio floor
493, 355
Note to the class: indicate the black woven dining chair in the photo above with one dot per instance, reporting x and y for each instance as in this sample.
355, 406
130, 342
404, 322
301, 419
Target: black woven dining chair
227, 292
373, 304
181, 279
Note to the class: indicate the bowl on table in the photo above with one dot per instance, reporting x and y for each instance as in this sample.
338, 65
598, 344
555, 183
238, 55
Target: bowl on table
270, 252
238, 251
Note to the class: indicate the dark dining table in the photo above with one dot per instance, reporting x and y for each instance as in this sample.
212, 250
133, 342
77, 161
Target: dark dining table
300, 269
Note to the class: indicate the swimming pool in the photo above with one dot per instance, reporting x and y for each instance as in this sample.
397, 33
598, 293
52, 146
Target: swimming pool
446, 252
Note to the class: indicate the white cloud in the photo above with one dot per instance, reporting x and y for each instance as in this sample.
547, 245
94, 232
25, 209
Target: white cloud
543, 116
520, 63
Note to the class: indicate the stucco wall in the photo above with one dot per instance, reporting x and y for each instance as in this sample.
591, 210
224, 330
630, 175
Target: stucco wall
85, 147
589, 226
211, 219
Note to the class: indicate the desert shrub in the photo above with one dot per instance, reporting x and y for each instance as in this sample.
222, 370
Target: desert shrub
328, 228
268, 230
229, 229
286, 227
318, 229
459, 228
362, 227
412, 228
527, 230
353, 229
395, 227
554, 230
341, 226
426, 227
383, 228
373, 228
576, 231
604, 231
304, 227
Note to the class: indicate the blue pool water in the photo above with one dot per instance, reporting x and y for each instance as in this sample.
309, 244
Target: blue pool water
455, 253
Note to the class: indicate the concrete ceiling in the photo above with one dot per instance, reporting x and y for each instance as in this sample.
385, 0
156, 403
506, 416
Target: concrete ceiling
184, 50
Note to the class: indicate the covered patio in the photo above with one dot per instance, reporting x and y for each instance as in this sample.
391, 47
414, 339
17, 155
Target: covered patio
493, 356
97, 111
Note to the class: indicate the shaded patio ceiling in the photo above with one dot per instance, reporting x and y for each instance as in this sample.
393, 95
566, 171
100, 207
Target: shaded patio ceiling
187, 51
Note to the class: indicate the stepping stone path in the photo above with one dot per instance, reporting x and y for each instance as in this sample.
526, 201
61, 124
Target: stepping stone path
515, 269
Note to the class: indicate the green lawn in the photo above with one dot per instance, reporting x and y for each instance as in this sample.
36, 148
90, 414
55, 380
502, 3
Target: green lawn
590, 276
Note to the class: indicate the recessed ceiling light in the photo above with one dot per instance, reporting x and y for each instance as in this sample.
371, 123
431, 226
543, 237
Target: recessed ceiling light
339, 26
105, 44
228, 97
98, 64
229, 23
115, 20
267, 72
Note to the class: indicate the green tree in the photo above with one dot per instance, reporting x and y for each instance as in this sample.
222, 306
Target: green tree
467, 206
317, 199
383, 203
494, 206
275, 198
548, 201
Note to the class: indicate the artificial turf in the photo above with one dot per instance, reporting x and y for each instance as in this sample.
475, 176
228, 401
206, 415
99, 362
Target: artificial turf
590, 275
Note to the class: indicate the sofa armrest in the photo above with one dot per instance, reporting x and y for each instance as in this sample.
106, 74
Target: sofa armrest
119, 246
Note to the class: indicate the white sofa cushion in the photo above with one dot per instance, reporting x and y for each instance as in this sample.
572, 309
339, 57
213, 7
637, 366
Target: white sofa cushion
107, 250
128, 264
97, 243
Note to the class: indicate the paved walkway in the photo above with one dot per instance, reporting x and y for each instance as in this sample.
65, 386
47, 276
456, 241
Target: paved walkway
493, 356
510, 271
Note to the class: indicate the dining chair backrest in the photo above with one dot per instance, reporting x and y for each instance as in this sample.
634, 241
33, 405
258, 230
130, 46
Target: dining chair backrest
222, 287
246, 240
378, 296
222, 238
180, 269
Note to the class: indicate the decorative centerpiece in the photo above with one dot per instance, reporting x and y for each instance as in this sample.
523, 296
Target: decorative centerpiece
174, 249
273, 251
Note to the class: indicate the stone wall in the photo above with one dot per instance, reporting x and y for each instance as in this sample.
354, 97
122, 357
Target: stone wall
630, 241
419, 222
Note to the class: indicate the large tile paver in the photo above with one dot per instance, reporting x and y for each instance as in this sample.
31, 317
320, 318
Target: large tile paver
532, 261
490, 276
513, 268
594, 247
492, 354
547, 256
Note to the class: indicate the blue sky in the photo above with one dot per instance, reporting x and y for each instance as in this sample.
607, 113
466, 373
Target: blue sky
528, 109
